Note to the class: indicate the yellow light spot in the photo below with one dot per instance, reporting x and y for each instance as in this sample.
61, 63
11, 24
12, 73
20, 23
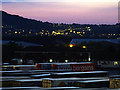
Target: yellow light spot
51, 60
14, 67
46, 34
58, 33
29, 32
15, 32
84, 47
71, 45
73, 31
70, 30
66, 33
78, 32
53, 32
83, 32
115, 63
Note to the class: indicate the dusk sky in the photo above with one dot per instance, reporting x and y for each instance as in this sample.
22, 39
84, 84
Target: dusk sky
82, 12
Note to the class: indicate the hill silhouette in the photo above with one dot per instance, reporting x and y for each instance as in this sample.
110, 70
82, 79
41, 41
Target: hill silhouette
19, 23
23, 23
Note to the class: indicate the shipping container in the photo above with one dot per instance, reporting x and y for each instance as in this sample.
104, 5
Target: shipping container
81, 66
93, 83
64, 82
27, 83
76, 66
80, 74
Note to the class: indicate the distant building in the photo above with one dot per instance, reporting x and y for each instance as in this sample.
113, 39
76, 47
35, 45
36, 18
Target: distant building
54, 54
108, 64
78, 41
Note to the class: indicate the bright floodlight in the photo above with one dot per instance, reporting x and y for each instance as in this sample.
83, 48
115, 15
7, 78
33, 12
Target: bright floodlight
66, 61
51, 60
89, 59
71, 45
84, 47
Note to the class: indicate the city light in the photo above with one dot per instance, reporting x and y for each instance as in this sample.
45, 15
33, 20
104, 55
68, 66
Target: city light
70, 45
15, 32
29, 32
14, 67
84, 47
115, 63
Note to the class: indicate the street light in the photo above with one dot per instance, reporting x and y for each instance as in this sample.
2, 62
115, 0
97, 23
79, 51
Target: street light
21, 60
70, 45
51, 60
84, 47
66, 61
89, 59
115, 63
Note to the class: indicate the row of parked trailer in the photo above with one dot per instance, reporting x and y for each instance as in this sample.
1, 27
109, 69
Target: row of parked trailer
83, 66
41, 77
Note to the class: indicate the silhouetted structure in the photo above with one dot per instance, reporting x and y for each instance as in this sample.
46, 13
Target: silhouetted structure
57, 54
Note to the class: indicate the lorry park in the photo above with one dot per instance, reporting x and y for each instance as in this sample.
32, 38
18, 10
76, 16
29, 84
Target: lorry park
61, 76
60, 45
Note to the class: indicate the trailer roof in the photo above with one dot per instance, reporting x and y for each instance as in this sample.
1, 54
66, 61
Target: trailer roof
41, 75
15, 77
94, 78
27, 80
89, 81
13, 71
80, 72
18, 65
68, 63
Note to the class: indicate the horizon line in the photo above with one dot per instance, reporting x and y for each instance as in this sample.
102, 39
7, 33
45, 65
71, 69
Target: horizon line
60, 22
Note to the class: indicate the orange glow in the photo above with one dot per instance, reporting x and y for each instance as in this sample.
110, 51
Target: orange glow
71, 45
